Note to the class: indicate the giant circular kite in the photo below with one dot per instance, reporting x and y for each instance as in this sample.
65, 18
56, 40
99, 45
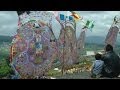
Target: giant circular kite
35, 49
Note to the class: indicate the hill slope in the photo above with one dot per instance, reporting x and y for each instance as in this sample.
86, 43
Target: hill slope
5, 38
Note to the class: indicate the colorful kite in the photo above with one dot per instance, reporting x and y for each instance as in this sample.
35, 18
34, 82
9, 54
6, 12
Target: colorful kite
112, 36
113, 32
34, 47
81, 39
67, 41
89, 24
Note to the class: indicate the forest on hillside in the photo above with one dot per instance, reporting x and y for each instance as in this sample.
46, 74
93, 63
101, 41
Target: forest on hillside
5, 39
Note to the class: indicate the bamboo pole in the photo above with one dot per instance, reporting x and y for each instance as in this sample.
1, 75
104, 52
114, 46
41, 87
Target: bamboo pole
63, 64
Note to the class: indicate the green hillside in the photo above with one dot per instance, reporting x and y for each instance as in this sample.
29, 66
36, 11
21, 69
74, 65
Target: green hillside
5, 69
5, 39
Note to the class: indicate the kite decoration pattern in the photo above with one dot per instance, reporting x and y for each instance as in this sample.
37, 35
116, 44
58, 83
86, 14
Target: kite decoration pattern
112, 36
113, 32
68, 44
89, 25
33, 47
81, 39
67, 40
76, 16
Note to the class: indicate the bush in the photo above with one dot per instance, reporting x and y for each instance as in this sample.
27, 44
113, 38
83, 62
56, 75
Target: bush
5, 69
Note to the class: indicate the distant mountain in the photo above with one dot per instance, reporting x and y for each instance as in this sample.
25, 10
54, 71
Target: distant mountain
5, 38
99, 40
118, 40
95, 39
89, 39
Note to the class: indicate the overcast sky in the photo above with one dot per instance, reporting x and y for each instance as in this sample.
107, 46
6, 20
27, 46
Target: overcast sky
103, 21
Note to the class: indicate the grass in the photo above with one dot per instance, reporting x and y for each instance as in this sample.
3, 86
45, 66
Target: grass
77, 71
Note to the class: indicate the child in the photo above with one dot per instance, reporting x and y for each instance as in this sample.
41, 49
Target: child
97, 66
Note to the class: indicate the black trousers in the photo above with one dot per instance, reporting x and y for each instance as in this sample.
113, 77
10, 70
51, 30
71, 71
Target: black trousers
110, 75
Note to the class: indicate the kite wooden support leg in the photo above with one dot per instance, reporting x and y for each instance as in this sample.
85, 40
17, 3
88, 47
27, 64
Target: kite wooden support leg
62, 69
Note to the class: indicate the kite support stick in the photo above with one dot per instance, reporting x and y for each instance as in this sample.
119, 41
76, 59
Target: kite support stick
63, 51
63, 56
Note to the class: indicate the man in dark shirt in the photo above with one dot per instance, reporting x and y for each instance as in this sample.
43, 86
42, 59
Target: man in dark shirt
111, 63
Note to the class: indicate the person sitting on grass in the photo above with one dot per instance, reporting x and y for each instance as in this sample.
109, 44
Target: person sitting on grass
97, 66
111, 63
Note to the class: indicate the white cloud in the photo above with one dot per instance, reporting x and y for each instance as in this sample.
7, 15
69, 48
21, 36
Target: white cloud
103, 21
8, 22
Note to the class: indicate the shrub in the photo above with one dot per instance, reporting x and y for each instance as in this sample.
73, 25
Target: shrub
5, 69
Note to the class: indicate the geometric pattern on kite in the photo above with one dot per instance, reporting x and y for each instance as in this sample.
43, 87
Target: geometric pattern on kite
81, 40
34, 49
67, 45
112, 36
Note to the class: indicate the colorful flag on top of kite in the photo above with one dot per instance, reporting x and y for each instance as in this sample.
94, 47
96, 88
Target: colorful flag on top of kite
89, 24
71, 15
76, 16
64, 17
